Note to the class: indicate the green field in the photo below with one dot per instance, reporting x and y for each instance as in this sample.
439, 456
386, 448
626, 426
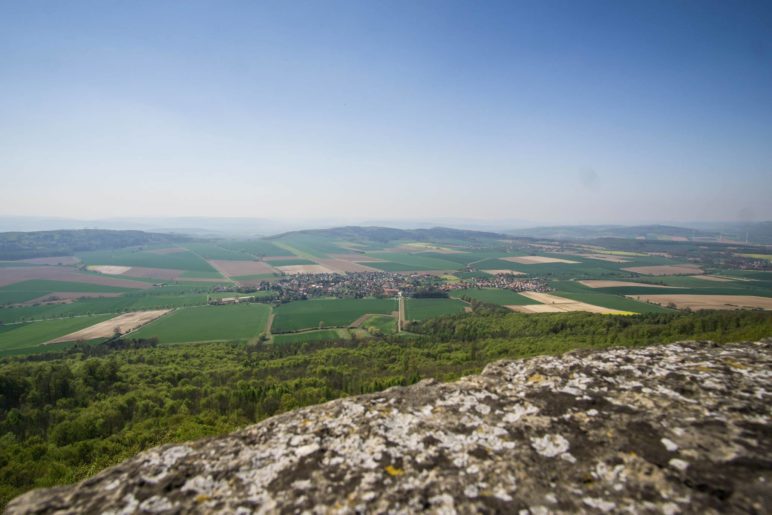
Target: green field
471, 256
27, 338
407, 261
208, 323
201, 275
185, 260
421, 309
17, 297
385, 323
28, 290
493, 296
308, 246
255, 277
312, 336
120, 304
611, 301
215, 251
308, 314
255, 248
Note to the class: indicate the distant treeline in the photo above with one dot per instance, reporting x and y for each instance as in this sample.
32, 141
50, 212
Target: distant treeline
65, 417
24, 245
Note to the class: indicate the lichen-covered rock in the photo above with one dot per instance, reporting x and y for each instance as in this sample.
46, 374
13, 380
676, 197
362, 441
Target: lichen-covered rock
672, 428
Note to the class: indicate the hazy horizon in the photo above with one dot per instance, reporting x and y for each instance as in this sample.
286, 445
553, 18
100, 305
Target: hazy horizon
548, 113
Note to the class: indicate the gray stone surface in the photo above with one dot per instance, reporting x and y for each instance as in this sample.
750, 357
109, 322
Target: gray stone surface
661, 429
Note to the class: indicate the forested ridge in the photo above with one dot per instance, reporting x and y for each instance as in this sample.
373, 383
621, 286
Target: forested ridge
23, 245
65, 416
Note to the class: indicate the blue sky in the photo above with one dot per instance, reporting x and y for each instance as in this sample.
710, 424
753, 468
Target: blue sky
552, 112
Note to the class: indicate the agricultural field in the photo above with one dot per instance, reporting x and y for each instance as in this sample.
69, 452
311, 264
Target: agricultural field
386, 324
665, 270
121, 324
254, 248
209, 323
29, 338
701, 302
105, 305
307, 246
396, 261
421, 309
612, 302
492, 296
310, 314
184, 260
211, 251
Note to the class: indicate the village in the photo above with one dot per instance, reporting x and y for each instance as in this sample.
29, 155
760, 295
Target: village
372, 284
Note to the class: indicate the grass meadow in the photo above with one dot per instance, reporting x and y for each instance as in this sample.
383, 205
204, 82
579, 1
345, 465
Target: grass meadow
421, 309
308, 314
208, 323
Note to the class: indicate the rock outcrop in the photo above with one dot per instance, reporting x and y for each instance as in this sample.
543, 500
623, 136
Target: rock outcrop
671, 428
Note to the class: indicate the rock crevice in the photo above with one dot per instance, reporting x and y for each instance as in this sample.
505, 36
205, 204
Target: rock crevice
671, 428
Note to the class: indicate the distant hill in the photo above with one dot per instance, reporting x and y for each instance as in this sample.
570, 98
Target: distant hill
587, 232
24, 245
752, 232
387, 234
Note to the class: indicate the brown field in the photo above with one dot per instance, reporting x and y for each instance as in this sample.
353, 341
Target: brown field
503, 272
698, 302
342, 266
235, 268
605, 257
598, 283
666, 270
168, 250
56, 273
536, 260
536, 308
304, 269
166, 274
61, 260
109, 269
126, 322
554, 304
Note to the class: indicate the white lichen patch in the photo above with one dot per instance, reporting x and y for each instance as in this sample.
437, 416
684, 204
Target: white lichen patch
550, 445
670, 445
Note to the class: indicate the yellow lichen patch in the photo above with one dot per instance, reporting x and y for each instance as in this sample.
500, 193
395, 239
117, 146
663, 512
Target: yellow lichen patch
734, 364
202, 498
393, 471
536, 378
